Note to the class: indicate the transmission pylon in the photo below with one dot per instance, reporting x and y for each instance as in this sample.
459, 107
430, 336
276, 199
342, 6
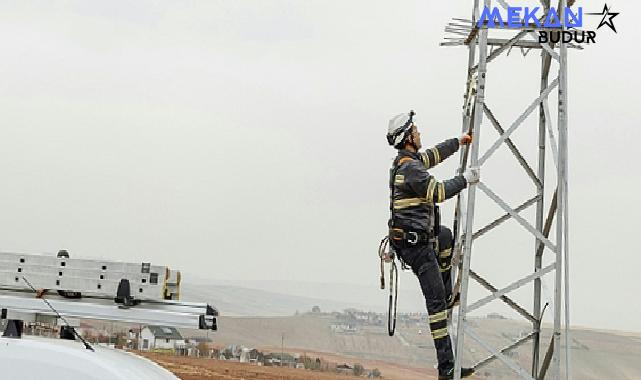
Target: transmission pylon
477, 118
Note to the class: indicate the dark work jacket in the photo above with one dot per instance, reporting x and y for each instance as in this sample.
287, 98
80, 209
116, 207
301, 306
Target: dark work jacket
414, 192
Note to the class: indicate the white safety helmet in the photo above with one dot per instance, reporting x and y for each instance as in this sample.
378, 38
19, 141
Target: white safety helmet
399, 128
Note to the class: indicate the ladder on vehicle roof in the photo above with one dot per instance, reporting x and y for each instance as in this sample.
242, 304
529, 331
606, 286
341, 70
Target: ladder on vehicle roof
37, 286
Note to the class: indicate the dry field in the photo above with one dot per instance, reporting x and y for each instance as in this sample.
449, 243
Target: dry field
188, 368
596, 355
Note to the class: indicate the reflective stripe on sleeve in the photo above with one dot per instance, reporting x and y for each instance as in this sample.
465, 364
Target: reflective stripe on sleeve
437, 156
441, 192
426, 160
430, 190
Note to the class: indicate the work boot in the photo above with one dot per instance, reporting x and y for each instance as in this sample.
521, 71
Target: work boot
447, 375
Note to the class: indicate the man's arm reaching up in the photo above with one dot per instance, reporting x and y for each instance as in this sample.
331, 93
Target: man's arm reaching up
439, 153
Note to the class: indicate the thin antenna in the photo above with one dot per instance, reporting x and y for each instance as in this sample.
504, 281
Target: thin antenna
87, 345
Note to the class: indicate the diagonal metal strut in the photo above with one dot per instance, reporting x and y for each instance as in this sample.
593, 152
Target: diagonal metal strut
505, 349
509, 362
513, 286
486, 284
505, 217
513, 148
518, 121
516, 216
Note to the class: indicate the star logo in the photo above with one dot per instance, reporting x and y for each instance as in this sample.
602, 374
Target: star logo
607, 18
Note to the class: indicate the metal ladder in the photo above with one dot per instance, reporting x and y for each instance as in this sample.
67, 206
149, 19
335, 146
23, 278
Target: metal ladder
47, 287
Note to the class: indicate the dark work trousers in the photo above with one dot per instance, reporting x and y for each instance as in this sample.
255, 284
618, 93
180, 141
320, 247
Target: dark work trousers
434, 276
445, 243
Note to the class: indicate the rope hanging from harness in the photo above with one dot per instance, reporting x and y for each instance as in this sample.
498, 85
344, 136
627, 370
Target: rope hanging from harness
387, 255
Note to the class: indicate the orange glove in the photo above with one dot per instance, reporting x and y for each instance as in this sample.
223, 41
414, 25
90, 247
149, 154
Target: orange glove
465, 139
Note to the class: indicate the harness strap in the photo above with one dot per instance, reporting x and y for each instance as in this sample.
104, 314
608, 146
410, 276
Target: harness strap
403, 160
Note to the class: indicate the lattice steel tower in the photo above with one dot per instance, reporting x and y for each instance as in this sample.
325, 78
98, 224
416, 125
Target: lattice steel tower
549, 212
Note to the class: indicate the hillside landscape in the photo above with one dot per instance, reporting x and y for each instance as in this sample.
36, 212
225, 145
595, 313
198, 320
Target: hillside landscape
595, 354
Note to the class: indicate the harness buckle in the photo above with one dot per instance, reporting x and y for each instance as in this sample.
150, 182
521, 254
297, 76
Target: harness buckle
414, 238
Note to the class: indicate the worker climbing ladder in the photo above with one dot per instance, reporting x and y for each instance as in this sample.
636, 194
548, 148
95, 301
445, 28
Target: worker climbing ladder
477, 116
59, 289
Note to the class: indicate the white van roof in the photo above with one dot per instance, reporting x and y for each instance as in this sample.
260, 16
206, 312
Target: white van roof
35, 358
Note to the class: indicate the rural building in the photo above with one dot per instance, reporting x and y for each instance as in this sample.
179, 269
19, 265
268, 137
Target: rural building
159, 337
343, 327
251, 355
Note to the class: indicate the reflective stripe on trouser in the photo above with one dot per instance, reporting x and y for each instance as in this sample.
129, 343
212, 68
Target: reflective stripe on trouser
445, 243
422, 260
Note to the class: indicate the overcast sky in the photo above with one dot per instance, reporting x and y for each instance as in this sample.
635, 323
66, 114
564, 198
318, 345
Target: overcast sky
245, 139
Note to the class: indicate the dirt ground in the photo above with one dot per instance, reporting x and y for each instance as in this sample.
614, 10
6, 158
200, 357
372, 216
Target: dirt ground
209, 369
188, 368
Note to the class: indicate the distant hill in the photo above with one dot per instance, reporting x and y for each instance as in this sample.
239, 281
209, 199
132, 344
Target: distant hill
240, 301
284, 298
261, 316
596, 355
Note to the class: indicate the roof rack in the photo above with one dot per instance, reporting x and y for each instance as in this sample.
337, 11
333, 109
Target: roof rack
37, 286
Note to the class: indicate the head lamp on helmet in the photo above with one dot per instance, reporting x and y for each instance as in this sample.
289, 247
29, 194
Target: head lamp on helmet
399, 128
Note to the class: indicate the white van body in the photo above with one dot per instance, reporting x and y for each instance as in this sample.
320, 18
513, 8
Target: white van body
37, 358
